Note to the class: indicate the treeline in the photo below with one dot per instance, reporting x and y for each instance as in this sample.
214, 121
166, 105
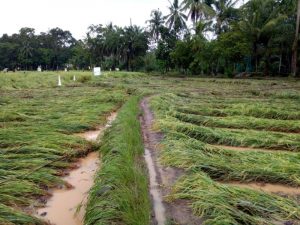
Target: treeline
197, 37
27, 51
256, 38
109, 47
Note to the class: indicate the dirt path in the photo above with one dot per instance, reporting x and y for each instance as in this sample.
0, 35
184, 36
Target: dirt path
162, 178
67, 205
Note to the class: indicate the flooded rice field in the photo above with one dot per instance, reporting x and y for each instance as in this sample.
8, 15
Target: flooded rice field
67, 205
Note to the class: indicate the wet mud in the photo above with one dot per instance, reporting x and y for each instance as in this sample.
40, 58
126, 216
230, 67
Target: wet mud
92, 135
245, 149
162, 178
269, 188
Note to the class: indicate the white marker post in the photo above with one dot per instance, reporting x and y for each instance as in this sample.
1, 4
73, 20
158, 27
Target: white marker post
74, 78
59, 81
97, 71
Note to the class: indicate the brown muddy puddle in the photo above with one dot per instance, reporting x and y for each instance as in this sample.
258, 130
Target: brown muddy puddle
269, 188
92, 135
67, 206
63, 207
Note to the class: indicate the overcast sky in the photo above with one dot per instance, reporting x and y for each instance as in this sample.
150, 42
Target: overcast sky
74, 15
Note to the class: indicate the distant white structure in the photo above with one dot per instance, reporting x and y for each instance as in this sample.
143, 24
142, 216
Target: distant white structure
117, 69
59, 81
5, 70
39, 69
66, 69
97, 71
74, 78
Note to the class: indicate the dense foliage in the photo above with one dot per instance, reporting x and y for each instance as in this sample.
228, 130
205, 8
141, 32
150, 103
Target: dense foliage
224, 37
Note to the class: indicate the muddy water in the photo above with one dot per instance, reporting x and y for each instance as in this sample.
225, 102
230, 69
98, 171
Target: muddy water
62, 207
158, 206
92, 135
67, 206
270, 188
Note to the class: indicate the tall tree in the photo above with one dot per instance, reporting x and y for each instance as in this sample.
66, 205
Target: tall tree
135, 45
156, 21
201, 28
295, 45
260, 17
26, 38
198, 9
176, 19
60, 42
165, 46
224, 13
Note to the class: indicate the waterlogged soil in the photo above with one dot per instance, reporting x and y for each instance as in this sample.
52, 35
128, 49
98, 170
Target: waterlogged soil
67, 204
162, 178
244, 148
158, 206
92, 135
269, 188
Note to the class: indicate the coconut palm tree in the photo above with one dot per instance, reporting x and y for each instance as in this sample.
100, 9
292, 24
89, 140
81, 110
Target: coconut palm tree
224, 13
198, 9
176, 20
156, 21
202, 28
26, 52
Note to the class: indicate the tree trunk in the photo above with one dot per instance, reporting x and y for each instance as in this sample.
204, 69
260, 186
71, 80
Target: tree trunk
295, 45
280, 63
254, 47
267, 66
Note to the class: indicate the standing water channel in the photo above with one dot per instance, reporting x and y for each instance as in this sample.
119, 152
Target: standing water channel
67, 206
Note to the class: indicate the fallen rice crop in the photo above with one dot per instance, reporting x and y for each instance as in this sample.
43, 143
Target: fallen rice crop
37, 123
243, 138
183, 152
194, 122
227, 205
240, 122
38, 120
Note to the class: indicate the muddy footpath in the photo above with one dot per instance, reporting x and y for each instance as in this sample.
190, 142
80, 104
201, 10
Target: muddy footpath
162, 178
